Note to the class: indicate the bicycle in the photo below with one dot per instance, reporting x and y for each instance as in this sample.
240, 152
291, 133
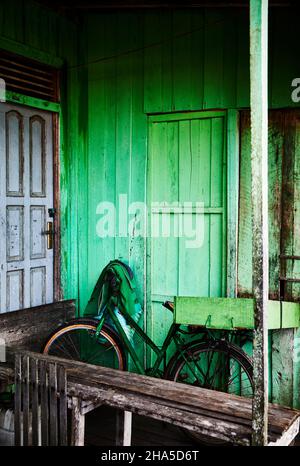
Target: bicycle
207, 361
210, 362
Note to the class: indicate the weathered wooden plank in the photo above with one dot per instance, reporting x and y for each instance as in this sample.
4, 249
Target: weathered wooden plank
18, 400
63, 411
123, 428
290, 315
53, 404
230, 430
215, 312
44, 403
25, 400
259, 196
104, 378
229, 313
29, 328
6, 375
215, 406
78, 423
232, 201
215, 428
286, 438
34, 396
282, 360
219, 415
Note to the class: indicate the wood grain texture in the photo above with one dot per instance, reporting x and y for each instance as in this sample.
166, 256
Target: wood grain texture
77, 432
29, 328
233, 313
216, 414
40, 401
165, 74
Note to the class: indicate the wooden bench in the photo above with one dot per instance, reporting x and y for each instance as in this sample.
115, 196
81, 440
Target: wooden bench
213, 414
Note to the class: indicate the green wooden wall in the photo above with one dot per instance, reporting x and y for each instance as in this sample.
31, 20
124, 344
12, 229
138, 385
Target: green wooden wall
160, 62
140, 64
119, 68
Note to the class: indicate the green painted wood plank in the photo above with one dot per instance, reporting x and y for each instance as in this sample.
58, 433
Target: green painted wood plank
229, 313
22, 49
123, 131
233, 149
230, 53
275, 149
197, 57
182, 59
20, 99
216, 271
282, 367
296, 236
281, 57
277, 134
243, 61
203, 140
274, 314
101, 143
290, 315
139, 161
214, 312
179, 116
213, 59
158, 79
188, 53
217, 163
12, 23
296, 369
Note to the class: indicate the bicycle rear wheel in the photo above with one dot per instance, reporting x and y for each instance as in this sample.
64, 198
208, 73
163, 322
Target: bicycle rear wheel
215, 365
77, 341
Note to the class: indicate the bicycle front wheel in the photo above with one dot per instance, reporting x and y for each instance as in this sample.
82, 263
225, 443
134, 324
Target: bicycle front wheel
77, 341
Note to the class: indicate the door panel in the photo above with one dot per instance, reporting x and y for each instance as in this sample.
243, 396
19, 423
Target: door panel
187, 164
26, 194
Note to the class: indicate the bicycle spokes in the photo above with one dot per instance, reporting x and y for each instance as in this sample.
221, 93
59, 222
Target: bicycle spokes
215, 370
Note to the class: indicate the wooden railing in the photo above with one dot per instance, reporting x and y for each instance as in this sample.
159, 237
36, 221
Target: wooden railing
40, 402
214, 414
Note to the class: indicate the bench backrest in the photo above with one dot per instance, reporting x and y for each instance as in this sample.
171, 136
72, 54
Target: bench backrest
29, 328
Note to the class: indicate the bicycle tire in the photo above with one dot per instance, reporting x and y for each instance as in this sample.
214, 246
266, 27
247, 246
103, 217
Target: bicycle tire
108, 340
219, 347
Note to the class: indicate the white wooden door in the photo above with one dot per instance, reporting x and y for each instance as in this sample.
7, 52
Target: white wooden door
26, 194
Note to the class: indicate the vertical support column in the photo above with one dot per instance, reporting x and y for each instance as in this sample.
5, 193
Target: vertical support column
78, 424
259, 170
123, 428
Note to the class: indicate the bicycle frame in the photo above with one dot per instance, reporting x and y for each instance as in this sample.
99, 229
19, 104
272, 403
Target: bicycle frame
160, 352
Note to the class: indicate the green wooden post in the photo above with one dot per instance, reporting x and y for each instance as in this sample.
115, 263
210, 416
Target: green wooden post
259, 171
